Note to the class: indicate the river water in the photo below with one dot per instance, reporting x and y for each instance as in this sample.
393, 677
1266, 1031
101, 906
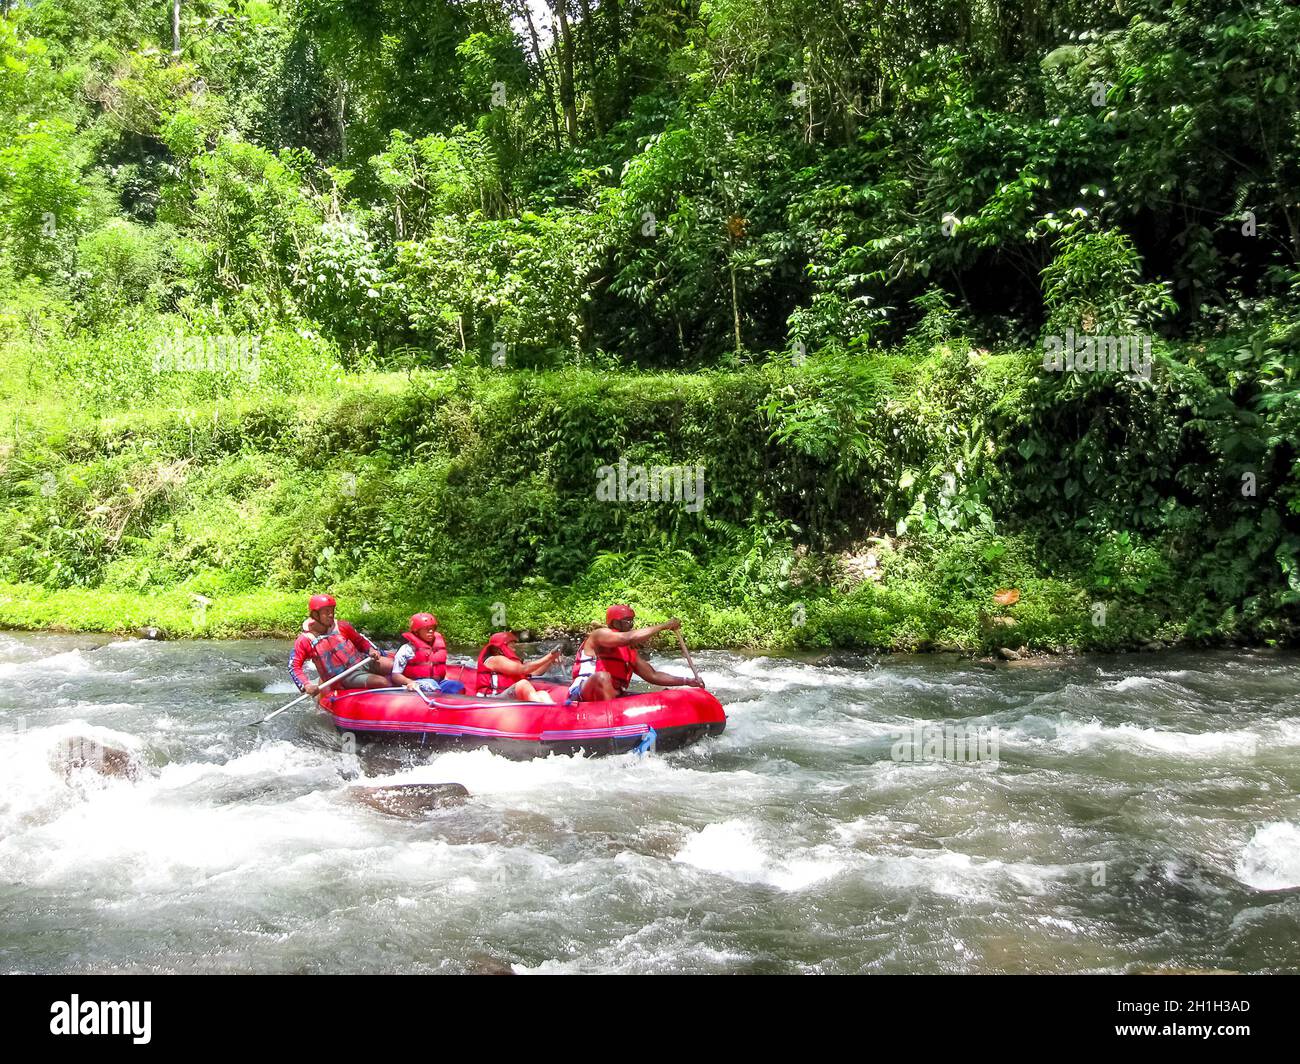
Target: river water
1142, 813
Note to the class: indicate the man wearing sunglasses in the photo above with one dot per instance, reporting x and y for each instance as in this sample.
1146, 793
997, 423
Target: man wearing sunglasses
609, 657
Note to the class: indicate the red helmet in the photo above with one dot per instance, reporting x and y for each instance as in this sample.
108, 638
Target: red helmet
319, 602
423, 620
501, 639
618, 613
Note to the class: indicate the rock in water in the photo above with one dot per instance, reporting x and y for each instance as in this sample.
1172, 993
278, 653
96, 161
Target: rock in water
1027, 662
847, 659
409, 799
79, 751
151, 633
483, 965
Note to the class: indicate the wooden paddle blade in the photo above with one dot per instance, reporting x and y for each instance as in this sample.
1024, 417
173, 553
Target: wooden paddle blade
686, 653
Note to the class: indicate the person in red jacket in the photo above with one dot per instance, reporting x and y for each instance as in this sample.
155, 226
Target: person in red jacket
424, 657
502, 673
608, 657
335, 646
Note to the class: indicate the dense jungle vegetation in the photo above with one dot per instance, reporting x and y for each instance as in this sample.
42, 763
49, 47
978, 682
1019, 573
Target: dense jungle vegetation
360, 295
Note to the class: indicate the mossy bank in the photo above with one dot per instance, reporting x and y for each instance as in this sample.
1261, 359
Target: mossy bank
878, 501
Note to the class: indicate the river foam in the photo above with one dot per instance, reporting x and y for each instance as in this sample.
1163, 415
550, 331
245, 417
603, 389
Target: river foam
1271, 859
1139, 816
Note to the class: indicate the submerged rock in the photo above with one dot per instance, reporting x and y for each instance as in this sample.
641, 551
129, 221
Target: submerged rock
847, 659
409, 799
1035, 661
75, 752
480, 964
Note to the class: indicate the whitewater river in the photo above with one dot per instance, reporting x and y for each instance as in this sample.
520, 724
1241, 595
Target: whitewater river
1142, 814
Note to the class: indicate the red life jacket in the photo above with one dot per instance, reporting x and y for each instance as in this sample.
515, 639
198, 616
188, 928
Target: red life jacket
617, 661
430, 659
488, 682
333, 653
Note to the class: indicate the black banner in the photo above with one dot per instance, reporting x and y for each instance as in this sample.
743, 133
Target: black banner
223, 1013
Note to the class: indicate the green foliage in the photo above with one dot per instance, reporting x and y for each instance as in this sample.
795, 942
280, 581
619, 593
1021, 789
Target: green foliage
436, 176
511, 290
149, 95
1093, 284
827, 213
43, 198
342, 282
829, 417
250, 224
140, 358
120, 265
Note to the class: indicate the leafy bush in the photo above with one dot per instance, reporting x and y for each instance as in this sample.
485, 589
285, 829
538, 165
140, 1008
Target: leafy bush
43, 197
120, 265
250, 223
1093, 283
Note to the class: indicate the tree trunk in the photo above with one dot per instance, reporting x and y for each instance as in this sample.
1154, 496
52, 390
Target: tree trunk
735, 305
541, 67
1295, 231
589, 39
341, 118
566, 71
176, 27
616, 50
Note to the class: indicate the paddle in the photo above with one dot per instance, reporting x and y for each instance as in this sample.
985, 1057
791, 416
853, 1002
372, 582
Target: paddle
565, 651
686, 652
335, 679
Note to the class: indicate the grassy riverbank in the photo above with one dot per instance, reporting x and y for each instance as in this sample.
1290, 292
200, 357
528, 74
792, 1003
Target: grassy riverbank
879, 502
1057, 618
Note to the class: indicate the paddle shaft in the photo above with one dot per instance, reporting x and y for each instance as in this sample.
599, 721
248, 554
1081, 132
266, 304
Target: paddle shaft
331, 680
686, 651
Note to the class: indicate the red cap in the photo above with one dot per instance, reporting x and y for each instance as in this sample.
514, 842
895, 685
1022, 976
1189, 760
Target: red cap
422, 620
319, 602
618, 613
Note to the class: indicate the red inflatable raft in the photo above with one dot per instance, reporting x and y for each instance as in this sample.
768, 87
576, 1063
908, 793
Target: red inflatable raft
675, 715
